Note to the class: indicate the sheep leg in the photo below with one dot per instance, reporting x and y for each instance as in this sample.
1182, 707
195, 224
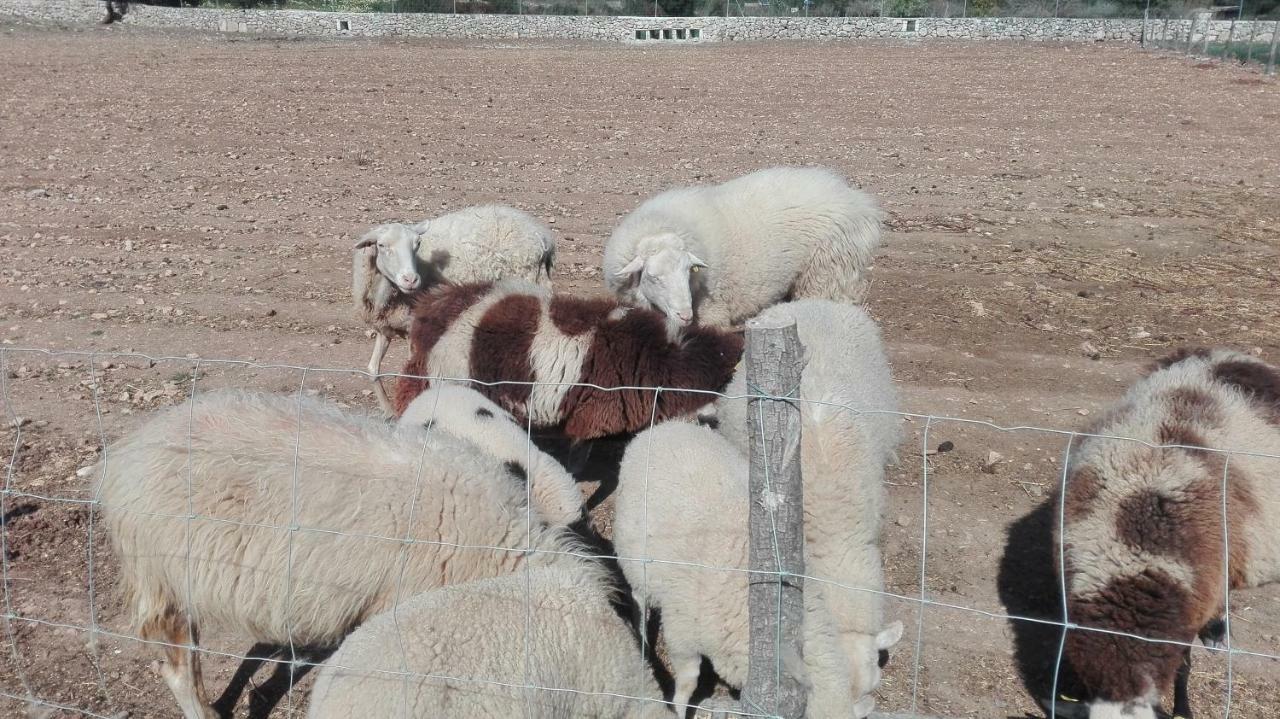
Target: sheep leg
687, 668
180, 667
1181, 697
380, 345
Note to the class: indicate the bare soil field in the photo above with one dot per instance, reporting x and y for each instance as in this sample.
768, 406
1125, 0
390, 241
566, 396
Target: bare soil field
1059, 216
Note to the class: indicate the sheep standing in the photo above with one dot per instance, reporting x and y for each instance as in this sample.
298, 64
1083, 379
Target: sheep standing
467, 651
843, 452
469, 415
392, 262
287, 521
516, 334
1143, 523
682, 497
720, 254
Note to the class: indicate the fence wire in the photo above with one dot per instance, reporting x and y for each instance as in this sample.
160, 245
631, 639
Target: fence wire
33, 695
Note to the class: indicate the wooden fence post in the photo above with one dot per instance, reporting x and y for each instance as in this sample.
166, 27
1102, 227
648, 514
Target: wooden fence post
775, 601
1271, 58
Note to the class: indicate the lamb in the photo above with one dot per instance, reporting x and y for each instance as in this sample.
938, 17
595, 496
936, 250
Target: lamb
364, 516
1143, 524
682, 497
464, 649
720, 254
505, 336
393, 261
843, 452
469, 415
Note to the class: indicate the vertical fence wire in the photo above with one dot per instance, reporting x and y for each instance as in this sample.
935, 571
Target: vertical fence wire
924, 550
11, 416
1062, 575
1226, 581
94, 657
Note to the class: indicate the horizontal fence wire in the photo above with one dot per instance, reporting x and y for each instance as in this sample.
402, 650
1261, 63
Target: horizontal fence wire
296, 660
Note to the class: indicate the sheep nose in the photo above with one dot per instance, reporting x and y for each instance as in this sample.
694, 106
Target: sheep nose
684, 317
409, 282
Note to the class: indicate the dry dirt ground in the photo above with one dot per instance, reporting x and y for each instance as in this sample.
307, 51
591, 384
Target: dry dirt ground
1059, 215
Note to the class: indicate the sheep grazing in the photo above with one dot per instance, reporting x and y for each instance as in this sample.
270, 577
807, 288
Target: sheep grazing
682, 497
391, 262
719, 254
1143, 525
364, 516
514, 333
843, 452
469, 415
468, 650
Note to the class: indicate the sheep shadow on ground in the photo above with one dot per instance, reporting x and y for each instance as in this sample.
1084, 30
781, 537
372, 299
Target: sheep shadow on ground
1027, 583
264, 697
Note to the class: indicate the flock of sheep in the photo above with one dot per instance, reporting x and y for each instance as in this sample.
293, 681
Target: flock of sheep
445, 553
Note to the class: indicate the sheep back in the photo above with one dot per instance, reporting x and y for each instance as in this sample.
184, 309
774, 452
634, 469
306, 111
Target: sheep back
286, 519
528, 347
1143, 520
772, 234
487, 243
469, 649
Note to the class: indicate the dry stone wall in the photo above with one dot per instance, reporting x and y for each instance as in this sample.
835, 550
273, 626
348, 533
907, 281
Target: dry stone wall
622, 29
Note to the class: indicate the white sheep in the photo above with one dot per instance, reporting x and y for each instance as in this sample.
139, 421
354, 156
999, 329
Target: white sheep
1147, 553
720, 254
682, 498
469, 415
843, 452
286, 521
468, 650
393, 261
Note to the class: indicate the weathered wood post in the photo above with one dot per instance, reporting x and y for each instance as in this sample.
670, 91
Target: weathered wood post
775, 597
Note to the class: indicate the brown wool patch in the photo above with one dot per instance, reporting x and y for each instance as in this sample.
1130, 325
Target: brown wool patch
634, 351
1157, 523
1191, 406
1180, 433
1257, 381
1116, 668
574, 315
1177, 356
433, 313
501, 350
1083, 486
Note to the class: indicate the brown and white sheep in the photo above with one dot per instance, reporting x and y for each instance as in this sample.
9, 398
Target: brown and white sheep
533, 352
1143, 524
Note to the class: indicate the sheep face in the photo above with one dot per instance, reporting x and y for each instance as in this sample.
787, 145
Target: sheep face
870, 654
665, 281
396, 249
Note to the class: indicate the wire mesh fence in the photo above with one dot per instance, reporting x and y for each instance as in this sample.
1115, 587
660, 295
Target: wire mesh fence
71, 649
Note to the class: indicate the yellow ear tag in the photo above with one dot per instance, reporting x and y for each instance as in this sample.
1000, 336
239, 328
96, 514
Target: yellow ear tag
695, 269
1066, 698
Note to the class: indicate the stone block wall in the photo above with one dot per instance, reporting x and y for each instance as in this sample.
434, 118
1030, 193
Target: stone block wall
665, 30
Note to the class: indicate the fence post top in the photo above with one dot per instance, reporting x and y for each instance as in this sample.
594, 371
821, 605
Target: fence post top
778, 323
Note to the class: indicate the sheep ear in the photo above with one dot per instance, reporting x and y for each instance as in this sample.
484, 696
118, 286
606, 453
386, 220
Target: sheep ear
631, 267
696, 261
889, 636
366, 241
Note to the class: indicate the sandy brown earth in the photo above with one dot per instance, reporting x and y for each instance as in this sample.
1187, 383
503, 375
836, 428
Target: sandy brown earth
1059, 216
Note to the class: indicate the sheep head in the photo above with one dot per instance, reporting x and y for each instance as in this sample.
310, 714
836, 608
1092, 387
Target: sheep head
664, 273
396, 248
